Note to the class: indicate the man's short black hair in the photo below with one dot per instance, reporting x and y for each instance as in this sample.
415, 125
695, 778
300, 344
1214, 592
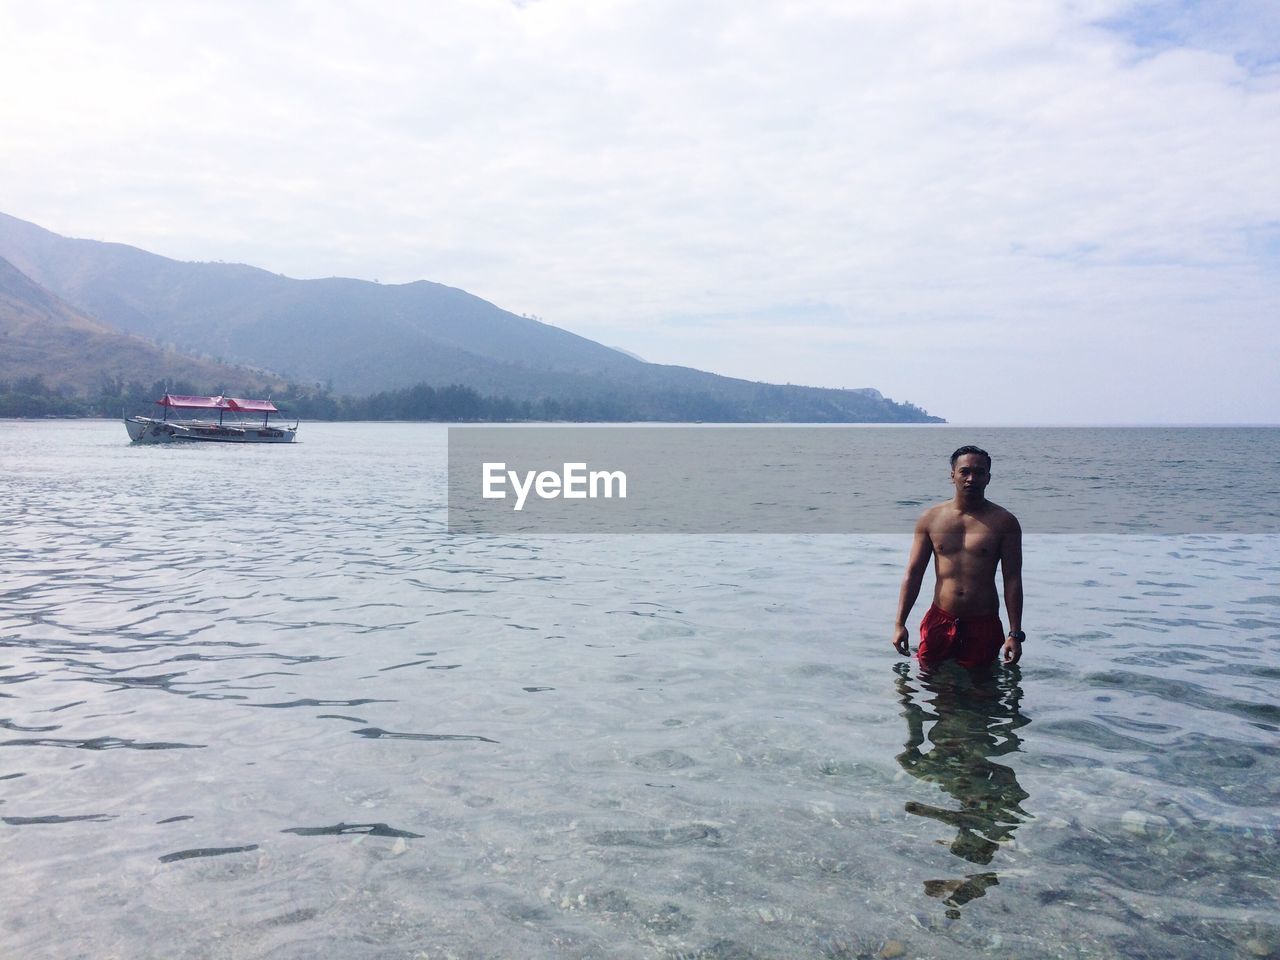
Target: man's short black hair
970, 448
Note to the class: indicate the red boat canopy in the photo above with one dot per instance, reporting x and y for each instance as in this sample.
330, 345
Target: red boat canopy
218, 403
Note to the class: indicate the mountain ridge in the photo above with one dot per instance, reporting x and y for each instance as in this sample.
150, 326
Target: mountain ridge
360, 336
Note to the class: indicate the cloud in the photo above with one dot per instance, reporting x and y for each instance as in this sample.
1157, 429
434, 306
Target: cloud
829, 192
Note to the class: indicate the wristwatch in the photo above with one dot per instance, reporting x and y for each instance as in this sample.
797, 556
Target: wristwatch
1017, 635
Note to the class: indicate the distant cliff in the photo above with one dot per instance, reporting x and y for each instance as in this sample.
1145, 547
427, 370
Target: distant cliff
358, 337
48, 344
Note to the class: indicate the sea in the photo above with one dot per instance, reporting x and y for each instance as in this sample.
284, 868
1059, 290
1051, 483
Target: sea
258, 702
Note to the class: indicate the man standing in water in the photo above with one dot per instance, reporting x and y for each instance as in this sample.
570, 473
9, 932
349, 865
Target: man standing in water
968, 537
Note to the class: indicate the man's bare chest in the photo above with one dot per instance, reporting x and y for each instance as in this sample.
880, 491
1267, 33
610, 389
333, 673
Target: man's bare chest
954, 540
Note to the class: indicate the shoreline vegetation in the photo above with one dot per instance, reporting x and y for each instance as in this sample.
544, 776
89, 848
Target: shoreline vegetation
30, 397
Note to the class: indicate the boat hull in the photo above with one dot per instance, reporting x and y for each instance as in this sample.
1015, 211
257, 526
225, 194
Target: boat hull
149, 430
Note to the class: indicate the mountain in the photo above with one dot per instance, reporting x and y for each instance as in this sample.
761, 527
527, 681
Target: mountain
42, 336
362, 337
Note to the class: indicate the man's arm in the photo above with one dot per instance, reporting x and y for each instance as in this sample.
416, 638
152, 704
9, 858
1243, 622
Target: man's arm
1011, 568
917, 563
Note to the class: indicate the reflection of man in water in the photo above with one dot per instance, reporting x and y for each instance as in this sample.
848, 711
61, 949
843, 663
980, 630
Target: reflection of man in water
975, 717
968, 537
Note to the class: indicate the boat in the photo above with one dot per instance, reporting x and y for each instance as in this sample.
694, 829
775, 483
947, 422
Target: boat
237, 422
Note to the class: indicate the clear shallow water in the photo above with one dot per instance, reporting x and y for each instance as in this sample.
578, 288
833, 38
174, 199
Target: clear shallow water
256, 703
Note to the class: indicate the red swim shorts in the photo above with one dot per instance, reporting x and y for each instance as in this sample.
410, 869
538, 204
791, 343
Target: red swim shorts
971, 642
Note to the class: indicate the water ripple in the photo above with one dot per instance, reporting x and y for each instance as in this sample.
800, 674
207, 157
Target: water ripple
339, 829
102, 743
206, 852
375, 733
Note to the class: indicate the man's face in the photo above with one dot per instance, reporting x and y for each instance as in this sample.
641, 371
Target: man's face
971, 475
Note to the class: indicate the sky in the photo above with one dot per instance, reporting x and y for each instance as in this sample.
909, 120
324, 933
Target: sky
1004, 211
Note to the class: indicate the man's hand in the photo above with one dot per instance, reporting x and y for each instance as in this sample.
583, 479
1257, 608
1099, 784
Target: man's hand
901, 642
1011, 652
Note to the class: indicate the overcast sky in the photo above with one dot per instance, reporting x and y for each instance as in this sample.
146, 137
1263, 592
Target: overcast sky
1034, 211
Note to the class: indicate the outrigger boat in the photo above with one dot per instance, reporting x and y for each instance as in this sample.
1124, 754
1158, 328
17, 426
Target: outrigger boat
238, 428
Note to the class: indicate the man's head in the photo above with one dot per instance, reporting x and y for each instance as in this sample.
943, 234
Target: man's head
970, 448
971, 472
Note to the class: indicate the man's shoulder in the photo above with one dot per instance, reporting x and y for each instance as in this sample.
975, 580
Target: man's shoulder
934, 512
1002, 516
936, 518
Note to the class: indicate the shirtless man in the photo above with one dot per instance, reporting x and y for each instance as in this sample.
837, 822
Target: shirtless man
968, 537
